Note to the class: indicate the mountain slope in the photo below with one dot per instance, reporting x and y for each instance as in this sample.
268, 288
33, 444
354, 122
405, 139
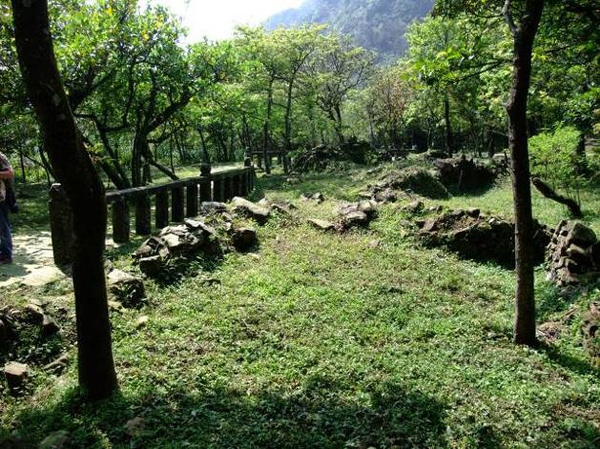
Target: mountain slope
378, 25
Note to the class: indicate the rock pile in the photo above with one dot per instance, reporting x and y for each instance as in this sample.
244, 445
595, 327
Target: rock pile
209, 236
573, 254
353, 215
464, 174
29, 337
126, 288
478, 237
411, 180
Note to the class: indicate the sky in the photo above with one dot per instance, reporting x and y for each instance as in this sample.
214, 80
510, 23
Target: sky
216, 19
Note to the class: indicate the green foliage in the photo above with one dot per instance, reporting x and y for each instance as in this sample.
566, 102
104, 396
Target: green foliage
554, 158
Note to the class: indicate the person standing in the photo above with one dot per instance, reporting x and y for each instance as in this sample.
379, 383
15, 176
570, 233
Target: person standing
6, 173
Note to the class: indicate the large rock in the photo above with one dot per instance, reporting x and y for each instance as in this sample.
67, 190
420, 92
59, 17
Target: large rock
251, 210
354, 219
126, 288
16, 373
348, 216
49, 326
212, 207
578, 234
322, 225
56, 440
244, 239
182, 240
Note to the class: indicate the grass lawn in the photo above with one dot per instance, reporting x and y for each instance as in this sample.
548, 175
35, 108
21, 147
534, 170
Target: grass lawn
320, 340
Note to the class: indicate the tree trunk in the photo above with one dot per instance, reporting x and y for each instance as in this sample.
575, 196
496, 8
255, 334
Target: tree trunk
84, 188
205, 155
288, 125
449, 134
139, 144
338, 124
523, 36
266, 157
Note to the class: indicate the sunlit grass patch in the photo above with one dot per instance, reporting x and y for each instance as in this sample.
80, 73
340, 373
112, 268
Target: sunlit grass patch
320, 339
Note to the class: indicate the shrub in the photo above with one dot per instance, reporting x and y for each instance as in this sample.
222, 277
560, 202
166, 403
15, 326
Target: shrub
555, 159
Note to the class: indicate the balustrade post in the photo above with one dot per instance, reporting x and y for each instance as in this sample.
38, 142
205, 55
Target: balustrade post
61, 225
205, 184
142, 214
237, 184
120, 220
177, 202
227, 188
250, 175
236, 187
162, 208
218, 189
244, 183
205, 190
192, 200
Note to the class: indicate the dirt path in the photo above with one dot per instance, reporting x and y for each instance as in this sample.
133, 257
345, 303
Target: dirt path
32, 261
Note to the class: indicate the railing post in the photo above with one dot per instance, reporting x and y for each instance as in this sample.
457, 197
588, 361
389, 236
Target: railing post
61, 225
205, 184
162, 208
205, 190
120, 220
237, 184
192, 200
250, 175
177, 212
227, 188
218, 189
244, 183
142, 214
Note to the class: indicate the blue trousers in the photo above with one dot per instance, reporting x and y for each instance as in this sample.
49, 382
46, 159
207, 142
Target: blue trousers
6, 246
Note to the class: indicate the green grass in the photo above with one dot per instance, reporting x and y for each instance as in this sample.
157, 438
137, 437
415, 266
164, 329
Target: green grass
321, 340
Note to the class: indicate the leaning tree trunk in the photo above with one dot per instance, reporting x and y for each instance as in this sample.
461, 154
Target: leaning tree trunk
75, 171
523, 36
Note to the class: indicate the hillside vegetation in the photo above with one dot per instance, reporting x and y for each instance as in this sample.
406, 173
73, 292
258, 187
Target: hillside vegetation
378, 25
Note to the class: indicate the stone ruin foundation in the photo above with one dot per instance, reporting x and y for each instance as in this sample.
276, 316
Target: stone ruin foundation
573, 254
478, 237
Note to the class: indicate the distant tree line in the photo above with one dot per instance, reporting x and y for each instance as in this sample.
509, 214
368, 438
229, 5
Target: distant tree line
142, 99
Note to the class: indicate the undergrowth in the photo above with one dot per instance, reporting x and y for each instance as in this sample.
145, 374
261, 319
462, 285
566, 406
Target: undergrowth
321, 340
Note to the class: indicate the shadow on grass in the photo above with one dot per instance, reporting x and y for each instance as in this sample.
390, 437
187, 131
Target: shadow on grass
474, 192
319, 415
339, 185
551, 300
575, 364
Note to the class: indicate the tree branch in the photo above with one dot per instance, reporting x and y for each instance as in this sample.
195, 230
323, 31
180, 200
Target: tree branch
547, 191
508, 17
